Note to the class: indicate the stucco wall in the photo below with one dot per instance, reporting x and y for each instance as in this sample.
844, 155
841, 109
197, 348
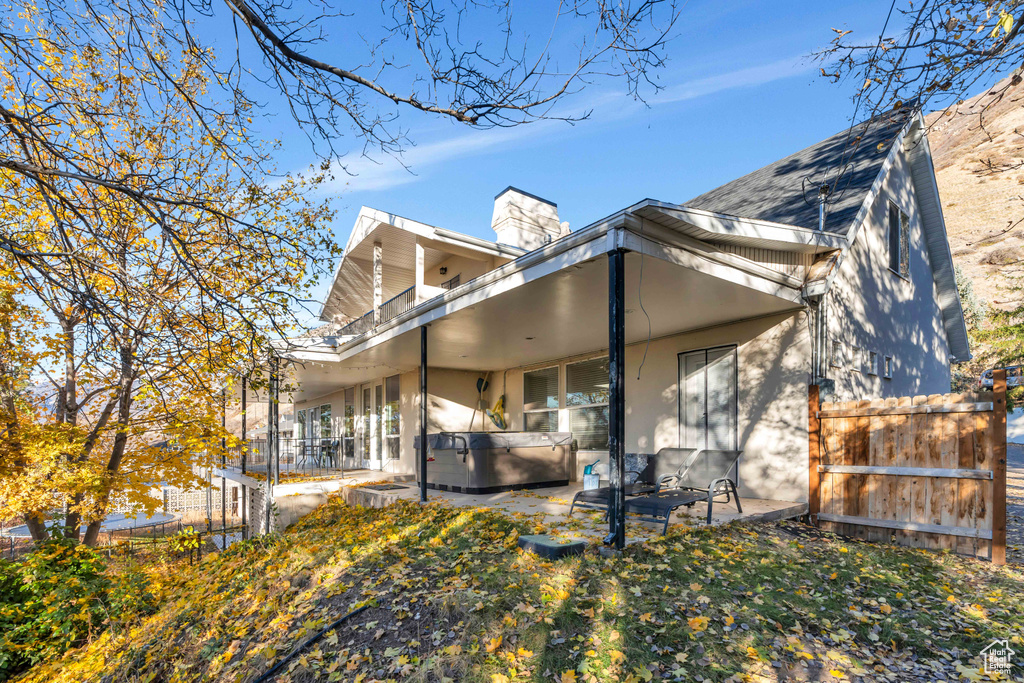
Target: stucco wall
451, 399
873, 308
773, 359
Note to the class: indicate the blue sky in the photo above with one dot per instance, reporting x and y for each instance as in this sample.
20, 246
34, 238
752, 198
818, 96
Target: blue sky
740, 91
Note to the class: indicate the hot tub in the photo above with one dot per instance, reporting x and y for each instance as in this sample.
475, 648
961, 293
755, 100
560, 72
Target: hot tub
488, 462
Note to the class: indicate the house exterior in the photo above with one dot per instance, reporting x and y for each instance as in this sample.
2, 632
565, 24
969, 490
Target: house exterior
731, 305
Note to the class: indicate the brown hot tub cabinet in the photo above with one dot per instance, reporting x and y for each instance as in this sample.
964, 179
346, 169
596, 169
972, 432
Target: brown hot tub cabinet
488, 462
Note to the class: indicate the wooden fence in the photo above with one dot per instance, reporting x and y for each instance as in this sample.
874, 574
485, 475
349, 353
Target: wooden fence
924, 471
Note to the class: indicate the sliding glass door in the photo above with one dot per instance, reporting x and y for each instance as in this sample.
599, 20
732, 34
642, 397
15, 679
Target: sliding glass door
372, 429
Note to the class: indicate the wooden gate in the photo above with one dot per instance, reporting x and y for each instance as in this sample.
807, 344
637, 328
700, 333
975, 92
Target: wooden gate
924, 471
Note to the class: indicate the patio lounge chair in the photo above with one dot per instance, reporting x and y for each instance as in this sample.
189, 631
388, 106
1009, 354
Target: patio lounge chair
705, 478
598, 498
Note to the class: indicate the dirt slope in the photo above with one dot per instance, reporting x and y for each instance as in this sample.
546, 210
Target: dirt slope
984, 210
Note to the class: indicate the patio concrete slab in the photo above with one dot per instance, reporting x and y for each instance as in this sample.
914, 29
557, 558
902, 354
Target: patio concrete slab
548, 508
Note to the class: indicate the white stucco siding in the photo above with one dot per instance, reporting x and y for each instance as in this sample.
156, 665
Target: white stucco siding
451, 402
773, 366
873, 309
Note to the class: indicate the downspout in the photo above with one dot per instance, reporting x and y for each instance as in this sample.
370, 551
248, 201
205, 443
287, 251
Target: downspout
817, 311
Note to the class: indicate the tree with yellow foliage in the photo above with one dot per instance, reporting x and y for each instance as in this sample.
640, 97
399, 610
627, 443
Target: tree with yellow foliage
120, 315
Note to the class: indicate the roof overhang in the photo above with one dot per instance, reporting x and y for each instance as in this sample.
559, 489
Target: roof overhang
723, 229
553, 303
351, 291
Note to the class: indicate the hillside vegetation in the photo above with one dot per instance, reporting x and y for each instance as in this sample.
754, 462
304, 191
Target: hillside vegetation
451, 597
981, 183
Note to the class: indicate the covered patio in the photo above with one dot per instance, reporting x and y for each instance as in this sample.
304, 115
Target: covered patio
639, 287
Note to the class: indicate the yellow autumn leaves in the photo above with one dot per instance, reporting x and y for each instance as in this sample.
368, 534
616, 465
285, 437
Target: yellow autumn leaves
152, 250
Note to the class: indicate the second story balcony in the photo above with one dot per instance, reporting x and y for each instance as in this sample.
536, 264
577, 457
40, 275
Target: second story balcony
392, 264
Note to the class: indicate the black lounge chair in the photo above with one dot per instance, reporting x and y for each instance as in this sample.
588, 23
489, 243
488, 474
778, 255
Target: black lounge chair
706, 477
598, 498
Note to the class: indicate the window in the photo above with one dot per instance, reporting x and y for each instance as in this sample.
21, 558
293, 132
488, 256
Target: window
540, 400
367, 416
586, 397
872, 368
887, 367
899, 241
837, 353
378, 421
349, 423
856, 358
392, 417
300, 424
325, 422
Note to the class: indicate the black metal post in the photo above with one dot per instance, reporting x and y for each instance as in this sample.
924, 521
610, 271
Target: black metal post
423, 413
271, 445
277, 423
223, 462
617, 398
245, 452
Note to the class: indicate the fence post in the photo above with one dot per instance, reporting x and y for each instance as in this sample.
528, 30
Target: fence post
999, 473
814, 452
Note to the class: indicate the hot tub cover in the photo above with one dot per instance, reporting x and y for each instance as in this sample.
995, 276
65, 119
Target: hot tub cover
495, 440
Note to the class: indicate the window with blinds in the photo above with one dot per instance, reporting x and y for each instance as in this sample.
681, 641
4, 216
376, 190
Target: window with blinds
540, 400
899, 241
586, 396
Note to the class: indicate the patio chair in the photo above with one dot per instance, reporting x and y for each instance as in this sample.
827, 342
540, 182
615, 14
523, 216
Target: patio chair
331, 453
598, 498
705, 478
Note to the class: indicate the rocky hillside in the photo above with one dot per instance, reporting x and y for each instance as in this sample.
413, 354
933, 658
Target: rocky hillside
979, 160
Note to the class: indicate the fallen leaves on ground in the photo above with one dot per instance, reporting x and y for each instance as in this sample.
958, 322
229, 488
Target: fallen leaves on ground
450, 597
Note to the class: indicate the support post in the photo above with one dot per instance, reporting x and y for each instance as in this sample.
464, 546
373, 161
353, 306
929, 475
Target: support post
420, 295
814, 452
277, 422
245, 453
378, 281
271, 446
999, 472
423, 413
223, 465
617, 398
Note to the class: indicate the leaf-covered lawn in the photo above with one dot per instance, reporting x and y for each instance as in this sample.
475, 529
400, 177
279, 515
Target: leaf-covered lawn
452, 598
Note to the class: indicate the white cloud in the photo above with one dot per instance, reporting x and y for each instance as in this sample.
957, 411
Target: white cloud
367, 175
741, 78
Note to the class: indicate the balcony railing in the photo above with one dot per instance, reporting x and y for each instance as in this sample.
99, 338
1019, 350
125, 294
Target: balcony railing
359, 326
397, 305
298, 458
392, 308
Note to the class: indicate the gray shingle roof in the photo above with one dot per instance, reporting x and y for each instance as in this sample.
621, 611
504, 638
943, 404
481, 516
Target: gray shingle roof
776, 192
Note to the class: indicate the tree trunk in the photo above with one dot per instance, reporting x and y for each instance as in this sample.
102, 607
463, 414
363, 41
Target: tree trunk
124, 411
36, 526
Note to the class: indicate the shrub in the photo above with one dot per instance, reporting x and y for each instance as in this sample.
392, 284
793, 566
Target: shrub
58, 597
